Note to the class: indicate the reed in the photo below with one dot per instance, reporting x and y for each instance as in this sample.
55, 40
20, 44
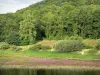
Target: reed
50, 71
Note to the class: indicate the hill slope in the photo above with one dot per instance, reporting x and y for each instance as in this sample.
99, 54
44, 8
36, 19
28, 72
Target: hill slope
51, 19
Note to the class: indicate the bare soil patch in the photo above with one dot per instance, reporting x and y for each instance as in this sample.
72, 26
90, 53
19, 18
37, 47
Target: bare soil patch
48, 42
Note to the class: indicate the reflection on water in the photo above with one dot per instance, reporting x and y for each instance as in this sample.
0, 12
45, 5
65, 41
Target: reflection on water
48, 72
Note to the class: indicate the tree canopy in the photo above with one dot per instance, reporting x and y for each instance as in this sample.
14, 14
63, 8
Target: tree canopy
51, 19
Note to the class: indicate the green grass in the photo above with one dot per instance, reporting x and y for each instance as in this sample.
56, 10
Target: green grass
21, 56
90, 55
72, 55
47, 54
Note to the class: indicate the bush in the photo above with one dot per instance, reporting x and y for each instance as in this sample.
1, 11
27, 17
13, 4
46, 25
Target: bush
97, 46
45, 47
76, 37
86, 46
13, 38
92, 52
35, 47
69, 46
4, 45
66, 37
15, 48
38, 47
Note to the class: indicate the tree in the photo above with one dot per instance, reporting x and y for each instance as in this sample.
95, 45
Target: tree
27, 30
83, 18
2, 23
9, 24
51, 19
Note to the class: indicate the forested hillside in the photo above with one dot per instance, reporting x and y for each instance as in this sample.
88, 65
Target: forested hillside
51, 19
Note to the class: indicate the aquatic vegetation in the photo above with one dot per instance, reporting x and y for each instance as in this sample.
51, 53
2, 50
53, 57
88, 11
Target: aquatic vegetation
51, 71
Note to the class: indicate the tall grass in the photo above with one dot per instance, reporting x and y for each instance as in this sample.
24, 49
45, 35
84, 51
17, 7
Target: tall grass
50, 71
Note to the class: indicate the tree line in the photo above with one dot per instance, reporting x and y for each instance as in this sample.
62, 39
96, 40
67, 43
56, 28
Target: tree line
51, 19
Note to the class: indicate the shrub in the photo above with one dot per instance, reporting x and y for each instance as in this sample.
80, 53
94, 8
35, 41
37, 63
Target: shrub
86, 46
15, 48
4, 45
66, 37
92, 52
35, 47
13, 38
45, 47
38, 47
69, 46
76, 37
97, 46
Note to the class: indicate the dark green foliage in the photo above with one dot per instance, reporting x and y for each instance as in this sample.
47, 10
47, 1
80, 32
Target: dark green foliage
2, 22
51, 71
84, 22
15, 48
38, 47
51, 19
92, 52
66, 17
45, 47
27, 30
4, 45
69, 46
97, 46
10, 28
76, 37
13, 38
85, 46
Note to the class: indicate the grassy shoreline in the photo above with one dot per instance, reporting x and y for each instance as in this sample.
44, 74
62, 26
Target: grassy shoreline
51, 70
50, 55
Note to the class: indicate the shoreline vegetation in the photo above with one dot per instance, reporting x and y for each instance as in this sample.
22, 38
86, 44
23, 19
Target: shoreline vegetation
49, 67
41, 55
52, 37
54, 70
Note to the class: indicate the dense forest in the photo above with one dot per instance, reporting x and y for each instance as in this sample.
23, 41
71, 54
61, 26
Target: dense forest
53, 20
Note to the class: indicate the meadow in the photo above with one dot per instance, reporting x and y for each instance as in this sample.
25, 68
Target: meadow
50, 37
50, 62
